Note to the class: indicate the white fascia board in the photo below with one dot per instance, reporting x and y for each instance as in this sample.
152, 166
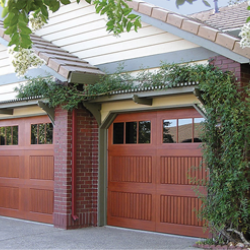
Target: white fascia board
193, 38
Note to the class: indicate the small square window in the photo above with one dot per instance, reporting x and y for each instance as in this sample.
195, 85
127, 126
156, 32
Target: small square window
131, 132
42, 133
169, 131
9, 135
144, 131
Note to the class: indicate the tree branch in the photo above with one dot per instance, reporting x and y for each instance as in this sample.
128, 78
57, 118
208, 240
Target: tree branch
240, 234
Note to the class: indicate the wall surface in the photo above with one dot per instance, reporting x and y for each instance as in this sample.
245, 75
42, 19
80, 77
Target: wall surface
24, 111
86, 169
79, 30
159, 102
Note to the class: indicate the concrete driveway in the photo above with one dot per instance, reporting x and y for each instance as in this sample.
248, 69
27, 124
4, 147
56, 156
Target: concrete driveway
18, 234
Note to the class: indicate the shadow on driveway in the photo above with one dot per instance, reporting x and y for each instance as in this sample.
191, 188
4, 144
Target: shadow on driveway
18, 234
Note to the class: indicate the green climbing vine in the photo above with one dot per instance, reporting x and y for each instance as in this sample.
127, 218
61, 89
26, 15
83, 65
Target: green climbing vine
70, 95
226, 207
227, 135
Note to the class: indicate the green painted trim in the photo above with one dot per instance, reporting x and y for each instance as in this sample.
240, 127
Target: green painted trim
84, 78
94, 109
145, 94
102, 173
200, 110
102, 170
142, 101
108, 120
103, 157
50, 111
19, 104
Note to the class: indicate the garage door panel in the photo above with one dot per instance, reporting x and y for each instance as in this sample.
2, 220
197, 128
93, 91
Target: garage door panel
9, 166
9, 197
131, 205
181, 170
41, 167
41, 200
45, 218
184, 190
28, 172
130, 187
164, 170
181, 229
180, 210
131, 169
130, 223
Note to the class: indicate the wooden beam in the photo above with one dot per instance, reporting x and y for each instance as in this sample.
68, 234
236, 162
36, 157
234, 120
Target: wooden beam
6, 111
95, 110
142, 101
50, 111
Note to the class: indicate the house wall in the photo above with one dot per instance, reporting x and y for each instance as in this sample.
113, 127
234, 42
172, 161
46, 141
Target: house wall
24, 112
79, 30
241, 71
86, 172
159, 102
5, 67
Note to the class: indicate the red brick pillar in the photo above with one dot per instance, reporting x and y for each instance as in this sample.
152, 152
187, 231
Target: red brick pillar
241, 71
226, 64
86, 171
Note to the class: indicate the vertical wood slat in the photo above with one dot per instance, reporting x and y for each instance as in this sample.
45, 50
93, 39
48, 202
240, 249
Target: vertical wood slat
131, 205
180, 210
179, 169
122, 167
41, 200
171, 192
41, 167
9, 166
15, 173
9, 197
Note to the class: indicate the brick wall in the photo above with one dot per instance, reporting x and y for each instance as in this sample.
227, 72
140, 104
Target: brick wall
86, 172
241, 71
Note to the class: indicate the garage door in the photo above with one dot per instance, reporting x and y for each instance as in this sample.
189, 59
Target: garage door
150, 156
27, 168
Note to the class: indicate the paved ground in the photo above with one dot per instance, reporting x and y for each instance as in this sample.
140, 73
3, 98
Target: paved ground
17, 234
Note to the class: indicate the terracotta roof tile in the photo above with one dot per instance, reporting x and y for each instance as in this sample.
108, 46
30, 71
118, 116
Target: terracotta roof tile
58, 59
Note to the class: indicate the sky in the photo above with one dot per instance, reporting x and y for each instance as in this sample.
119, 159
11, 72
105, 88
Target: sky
187, 8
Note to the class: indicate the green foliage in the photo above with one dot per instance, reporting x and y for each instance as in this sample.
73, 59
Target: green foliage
226, 153
16, 14
119, 15
226, 133
71, 95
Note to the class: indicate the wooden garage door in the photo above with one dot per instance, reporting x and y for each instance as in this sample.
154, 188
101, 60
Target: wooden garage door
150, 156
27, 168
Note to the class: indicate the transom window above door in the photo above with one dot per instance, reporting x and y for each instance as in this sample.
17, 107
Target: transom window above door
131, 132
185, 130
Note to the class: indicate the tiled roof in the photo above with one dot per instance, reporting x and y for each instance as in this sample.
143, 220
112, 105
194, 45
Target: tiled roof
229, 17
58, 59
192, 25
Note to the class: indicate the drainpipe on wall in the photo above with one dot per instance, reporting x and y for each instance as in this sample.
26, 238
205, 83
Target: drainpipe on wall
73, 208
